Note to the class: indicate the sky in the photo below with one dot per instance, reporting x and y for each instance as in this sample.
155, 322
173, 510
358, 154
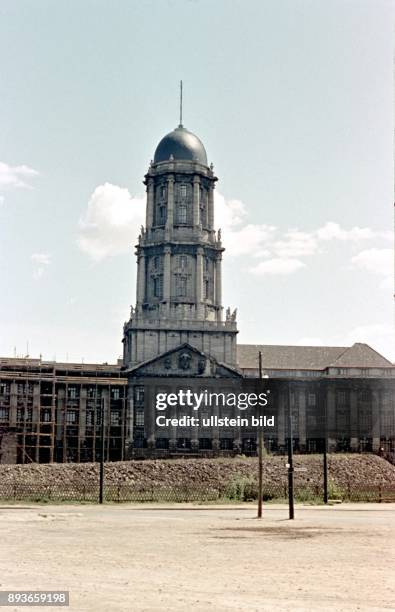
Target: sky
293, 101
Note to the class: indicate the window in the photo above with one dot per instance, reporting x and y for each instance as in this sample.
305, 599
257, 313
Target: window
182, 213
163, 191
4, 388
89, 418
45, 416
91, 392
205, 264
183, 191
71, 417
21, 389
206, 286
162, 215
156, 263
158, 286
115, 393
72, 392
183, 443
182, 262
139, 420
311, 399
4, 414
181, 286
115, 417
139, 394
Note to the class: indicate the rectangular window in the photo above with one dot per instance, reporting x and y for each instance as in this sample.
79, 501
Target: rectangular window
183, 191
158, 286
71, 417
115, 417
4, 388
182, 262
206, 287
311, 399
139, 420
115, 393
4, 414
182, 213
182, 287
163, 191
72, 392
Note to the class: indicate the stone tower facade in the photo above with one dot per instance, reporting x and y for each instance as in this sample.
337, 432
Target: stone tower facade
179, 259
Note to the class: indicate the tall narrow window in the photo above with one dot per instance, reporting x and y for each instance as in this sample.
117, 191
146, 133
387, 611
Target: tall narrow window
182, 213
183, 191
182, 286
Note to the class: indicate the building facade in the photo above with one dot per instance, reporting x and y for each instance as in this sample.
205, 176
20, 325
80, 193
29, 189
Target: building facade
179, 336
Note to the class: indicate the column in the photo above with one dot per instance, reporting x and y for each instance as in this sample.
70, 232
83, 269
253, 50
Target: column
107, 417
140, 278
281, 416
376, 420
199, 276
129, 438
13, 404
36, 417
302, 419
149, 416
82, 418
170, 203
354, 427
167, 274
218, 285
149, 218
331, 417
196, 200
211, 207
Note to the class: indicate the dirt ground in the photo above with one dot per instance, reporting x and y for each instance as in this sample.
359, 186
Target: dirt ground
180, 557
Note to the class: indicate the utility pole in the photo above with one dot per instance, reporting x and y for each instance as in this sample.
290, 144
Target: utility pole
290, 462
102, 443
323, 400
260, 453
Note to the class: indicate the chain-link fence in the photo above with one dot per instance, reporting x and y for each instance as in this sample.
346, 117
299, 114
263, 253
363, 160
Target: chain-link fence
238, 490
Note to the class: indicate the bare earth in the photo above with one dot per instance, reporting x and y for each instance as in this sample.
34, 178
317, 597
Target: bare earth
155, 558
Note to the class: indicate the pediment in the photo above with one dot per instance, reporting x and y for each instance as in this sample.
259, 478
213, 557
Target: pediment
184, 361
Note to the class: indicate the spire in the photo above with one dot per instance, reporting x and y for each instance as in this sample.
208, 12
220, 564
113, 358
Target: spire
180, 124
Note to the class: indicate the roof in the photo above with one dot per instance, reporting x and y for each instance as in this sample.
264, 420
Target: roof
279, 357
181, 144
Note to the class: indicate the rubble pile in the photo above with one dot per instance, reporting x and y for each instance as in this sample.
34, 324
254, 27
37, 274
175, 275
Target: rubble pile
343, 470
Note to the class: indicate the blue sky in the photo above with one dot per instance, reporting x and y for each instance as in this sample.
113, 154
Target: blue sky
294, 103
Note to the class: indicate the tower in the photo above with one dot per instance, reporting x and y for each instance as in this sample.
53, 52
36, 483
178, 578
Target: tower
179, 259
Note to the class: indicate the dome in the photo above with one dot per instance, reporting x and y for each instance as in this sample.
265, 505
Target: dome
181, 144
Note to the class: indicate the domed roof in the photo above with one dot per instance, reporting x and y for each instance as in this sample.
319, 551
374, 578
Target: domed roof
181, 144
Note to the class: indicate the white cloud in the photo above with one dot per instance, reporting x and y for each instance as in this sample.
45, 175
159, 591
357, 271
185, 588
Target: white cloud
333, 231
41, 261
15, 176
379, 262
111, 223
296, 244
277, 265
